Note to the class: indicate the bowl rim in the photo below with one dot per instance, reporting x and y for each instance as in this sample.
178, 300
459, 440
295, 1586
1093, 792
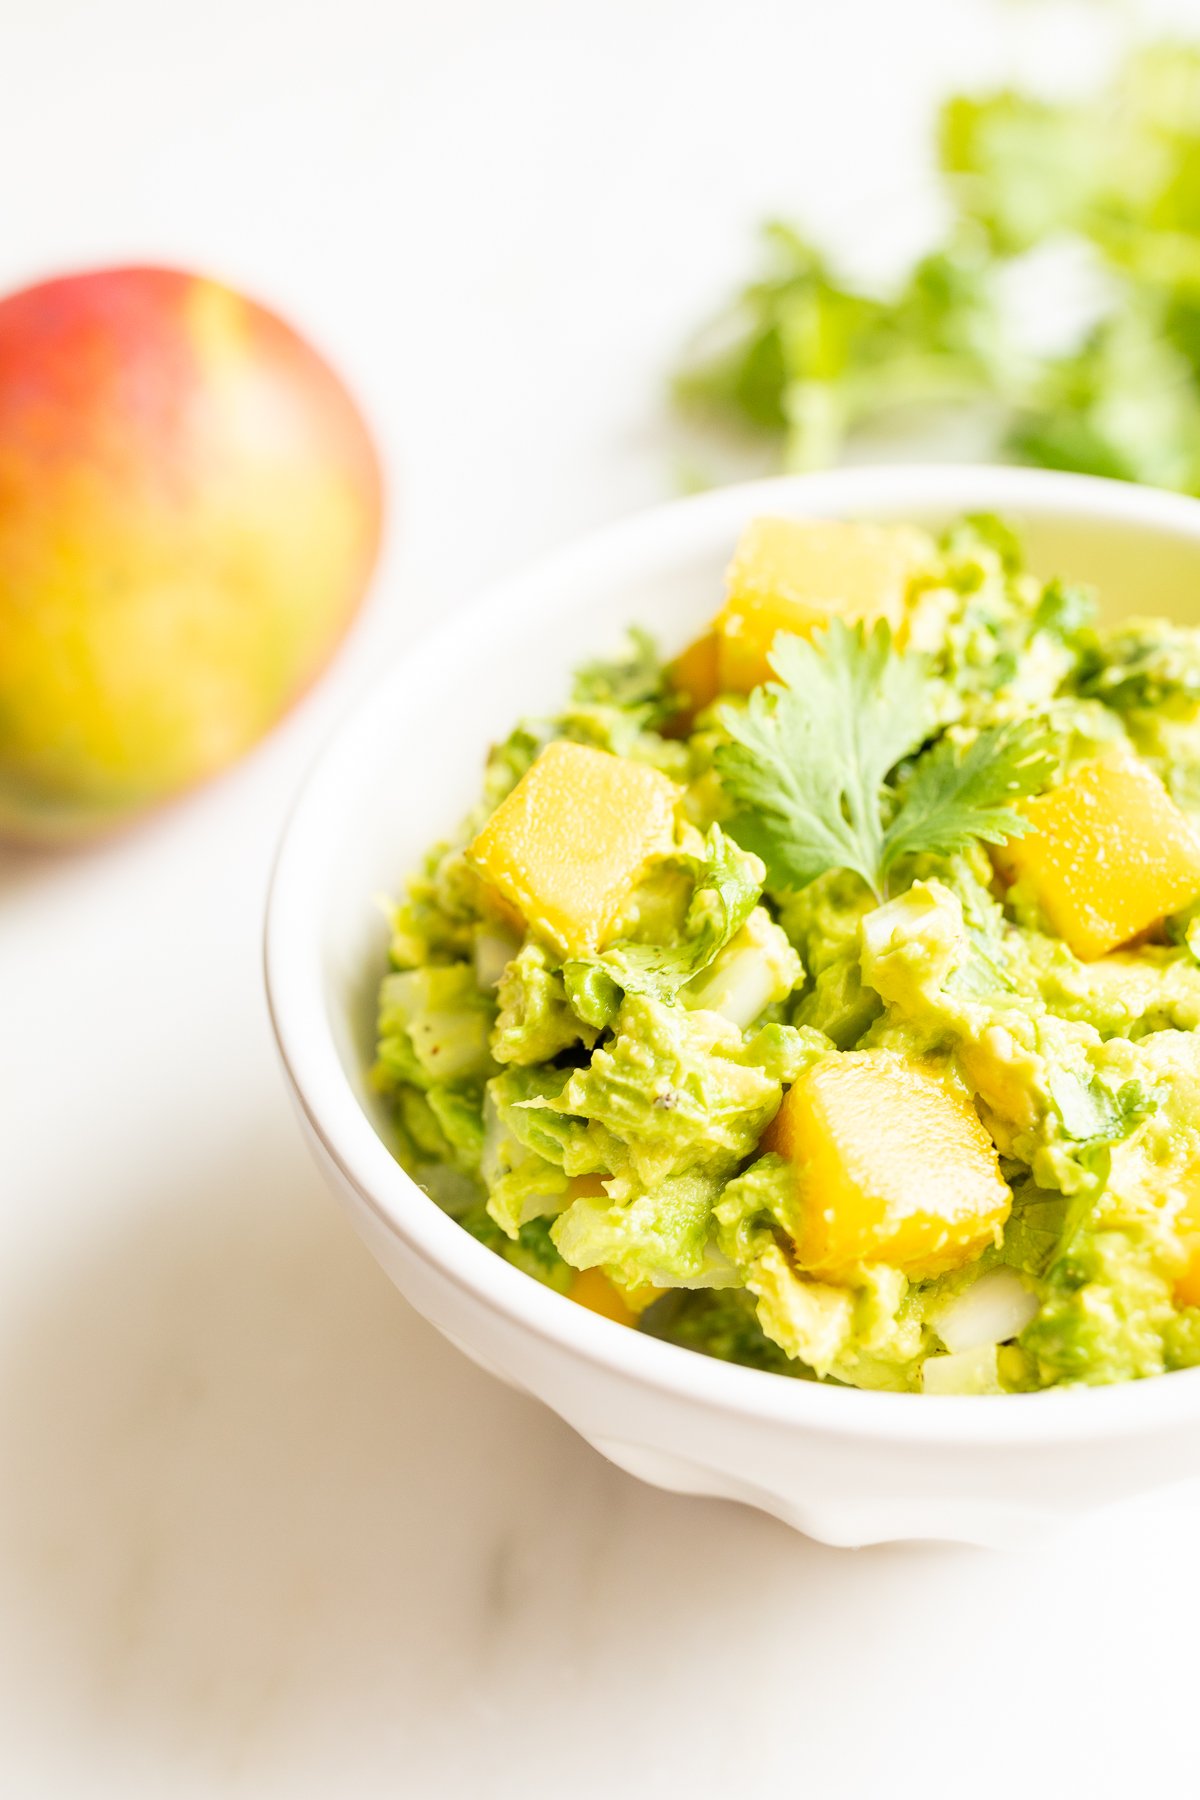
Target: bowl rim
304, 1036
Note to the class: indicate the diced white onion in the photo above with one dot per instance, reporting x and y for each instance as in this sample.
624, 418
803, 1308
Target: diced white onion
449, 1044
494, 950
739, 990
967, 1372
453, 1191
992, 1310
493, 1140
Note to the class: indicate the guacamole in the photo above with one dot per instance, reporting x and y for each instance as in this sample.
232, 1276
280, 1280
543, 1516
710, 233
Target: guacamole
827, 998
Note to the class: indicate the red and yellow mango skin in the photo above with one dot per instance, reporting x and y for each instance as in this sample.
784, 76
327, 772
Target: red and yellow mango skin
190, 509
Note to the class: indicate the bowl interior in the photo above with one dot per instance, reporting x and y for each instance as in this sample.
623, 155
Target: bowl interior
403, 769
408, 766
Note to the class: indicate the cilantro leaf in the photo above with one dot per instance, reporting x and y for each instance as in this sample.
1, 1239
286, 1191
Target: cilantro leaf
808, 758
957, 795
1065, 610
1091, 1113
1024, 168
1132, 669
728, 884
804, 357
808, 755
727, 887
634, 680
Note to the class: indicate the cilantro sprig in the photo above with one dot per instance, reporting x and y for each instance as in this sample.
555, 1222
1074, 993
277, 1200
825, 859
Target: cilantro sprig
808, 761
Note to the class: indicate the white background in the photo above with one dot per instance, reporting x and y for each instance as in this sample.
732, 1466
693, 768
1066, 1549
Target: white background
261, 1531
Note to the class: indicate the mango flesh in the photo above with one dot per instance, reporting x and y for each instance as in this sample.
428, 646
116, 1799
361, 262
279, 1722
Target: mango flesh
693, 676
190, 508
1187, 1284
569, 844
1111, 854
893, 1166
793, 575
593, 1289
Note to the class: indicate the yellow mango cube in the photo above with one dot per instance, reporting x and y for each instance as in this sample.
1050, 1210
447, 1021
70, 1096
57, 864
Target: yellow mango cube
796, 574
893, 1166
593, 1289
1187, 1224
1187, 1285
569, 844
693, 675
1110, 854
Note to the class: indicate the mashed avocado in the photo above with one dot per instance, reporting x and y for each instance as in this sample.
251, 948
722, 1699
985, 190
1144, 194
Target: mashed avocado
836, 993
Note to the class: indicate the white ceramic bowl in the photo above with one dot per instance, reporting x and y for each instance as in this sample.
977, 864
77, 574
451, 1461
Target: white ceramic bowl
843, 1466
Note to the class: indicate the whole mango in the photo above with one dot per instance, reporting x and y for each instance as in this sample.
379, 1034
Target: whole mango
190, 509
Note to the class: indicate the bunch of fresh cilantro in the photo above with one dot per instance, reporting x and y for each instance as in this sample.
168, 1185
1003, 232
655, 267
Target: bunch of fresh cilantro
806, 358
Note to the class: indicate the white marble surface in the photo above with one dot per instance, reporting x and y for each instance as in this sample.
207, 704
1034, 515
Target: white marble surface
261, 1532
